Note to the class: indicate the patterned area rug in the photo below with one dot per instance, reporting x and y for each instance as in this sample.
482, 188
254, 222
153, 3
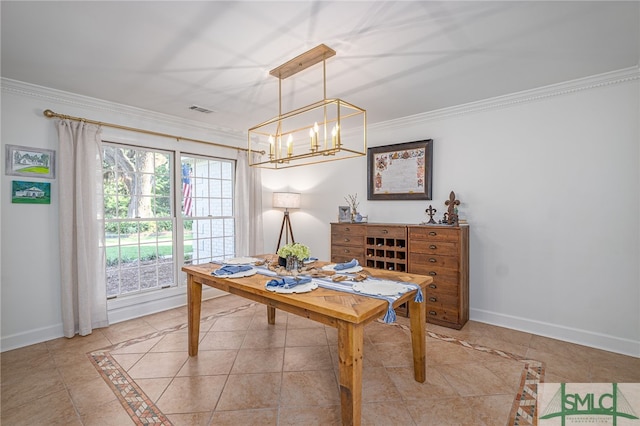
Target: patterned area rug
143, 410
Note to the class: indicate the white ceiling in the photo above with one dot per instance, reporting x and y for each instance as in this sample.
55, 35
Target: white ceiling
393, 59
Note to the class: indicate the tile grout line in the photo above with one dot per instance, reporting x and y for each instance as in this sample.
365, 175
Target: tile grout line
522, 413
524, 404
133, 399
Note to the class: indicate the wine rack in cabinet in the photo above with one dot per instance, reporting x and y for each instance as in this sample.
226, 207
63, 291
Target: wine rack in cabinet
386, 247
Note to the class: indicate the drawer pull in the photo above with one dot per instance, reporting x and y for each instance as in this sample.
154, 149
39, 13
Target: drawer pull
433, 313
433, 299
433, 286
347, 229
433, 234
384, 231
346, 250
346, 240
433, 273
433, 247
432, 260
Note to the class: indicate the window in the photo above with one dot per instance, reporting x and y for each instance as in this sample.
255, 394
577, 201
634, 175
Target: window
207, 208
143, 245
138, 219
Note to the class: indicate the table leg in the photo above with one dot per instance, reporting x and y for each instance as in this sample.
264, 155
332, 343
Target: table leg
271, 315
194, 304
417, 316
350, 348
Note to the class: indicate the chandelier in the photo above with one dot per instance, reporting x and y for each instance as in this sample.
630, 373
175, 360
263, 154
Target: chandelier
326, 130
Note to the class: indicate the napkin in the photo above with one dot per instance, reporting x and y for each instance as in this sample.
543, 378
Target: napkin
287, 282
346, 265
231, 269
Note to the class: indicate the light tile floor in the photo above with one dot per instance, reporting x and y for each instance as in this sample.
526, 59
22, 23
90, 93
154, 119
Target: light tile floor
248, 372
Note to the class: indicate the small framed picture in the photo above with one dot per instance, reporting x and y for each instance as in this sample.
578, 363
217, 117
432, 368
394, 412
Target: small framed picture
25, 192
32, 162
344, 214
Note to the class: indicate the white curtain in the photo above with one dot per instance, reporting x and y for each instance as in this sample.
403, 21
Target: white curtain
249, 235
82, 256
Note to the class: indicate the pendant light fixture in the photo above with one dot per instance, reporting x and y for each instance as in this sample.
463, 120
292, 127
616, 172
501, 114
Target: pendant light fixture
326, 130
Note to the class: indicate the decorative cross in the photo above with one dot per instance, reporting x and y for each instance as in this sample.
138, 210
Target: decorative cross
431, 212
452, 216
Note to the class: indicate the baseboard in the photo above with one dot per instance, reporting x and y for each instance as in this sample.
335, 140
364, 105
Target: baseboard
140, 309
31, 337
116, 315
568, 334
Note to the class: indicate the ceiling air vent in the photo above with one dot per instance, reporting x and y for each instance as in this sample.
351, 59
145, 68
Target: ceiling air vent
200, 109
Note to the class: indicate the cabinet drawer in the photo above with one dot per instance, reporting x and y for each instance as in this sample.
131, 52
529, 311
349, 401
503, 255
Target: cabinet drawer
433, 247
347, 240
387, 231
442, 301
434, 261
439, 274
440, 313
434, 233
347, 229
443, 289
346, 253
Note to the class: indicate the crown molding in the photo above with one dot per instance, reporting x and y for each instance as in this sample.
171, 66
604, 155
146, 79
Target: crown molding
98, 105
527, 96
572, 86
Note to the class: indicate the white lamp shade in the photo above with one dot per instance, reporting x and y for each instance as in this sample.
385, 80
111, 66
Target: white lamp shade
286, 200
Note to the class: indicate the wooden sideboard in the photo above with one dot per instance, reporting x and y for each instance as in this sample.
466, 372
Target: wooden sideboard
440, 251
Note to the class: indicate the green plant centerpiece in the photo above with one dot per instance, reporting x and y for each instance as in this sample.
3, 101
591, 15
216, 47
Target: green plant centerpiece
294, 255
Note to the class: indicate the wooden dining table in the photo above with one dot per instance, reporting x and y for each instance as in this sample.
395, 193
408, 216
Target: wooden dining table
348, 312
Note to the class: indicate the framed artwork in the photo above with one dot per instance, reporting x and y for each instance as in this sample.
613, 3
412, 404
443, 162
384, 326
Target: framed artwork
344, 214
400, 172
32, 162
24, 192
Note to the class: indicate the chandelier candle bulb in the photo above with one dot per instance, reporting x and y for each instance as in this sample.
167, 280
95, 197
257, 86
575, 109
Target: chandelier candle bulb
311, 134
271, 146
290, 146
334, 136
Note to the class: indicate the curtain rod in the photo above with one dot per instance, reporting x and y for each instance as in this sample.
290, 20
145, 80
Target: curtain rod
50, 114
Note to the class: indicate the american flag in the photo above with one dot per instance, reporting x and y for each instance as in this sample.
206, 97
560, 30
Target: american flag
187, 200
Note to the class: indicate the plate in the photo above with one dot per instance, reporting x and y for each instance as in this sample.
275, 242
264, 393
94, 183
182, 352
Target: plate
241, 261
381, 287
302, 288
240, 274
342, 271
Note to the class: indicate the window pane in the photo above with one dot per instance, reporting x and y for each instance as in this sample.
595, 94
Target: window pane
227, 189
227, 170
227, 207
215, 206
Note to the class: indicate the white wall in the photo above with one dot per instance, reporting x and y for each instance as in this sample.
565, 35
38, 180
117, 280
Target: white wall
548, 179
549, 183
30, 281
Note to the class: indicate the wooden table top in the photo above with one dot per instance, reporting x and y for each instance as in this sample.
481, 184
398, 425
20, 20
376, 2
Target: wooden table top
329, 303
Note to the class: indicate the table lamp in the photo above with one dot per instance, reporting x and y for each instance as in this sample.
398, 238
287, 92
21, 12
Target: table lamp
286, 201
